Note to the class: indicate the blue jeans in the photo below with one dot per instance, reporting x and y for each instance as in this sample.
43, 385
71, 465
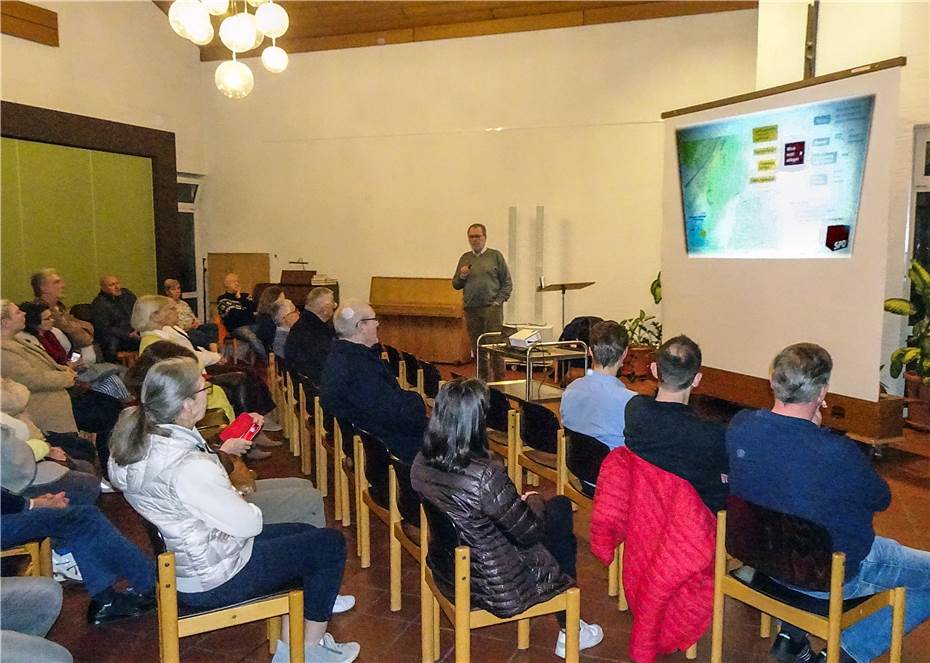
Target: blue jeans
247, 333
102, 553
888, 565
283, 554
30, 608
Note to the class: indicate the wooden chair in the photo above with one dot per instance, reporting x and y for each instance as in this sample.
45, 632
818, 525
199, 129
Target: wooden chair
39, 554
371, 489
319, 435
342, 441
404, 503
431, 380
413, 374
292, 413
501, 422
579, 459
795, 551
230, 346
176, 622
436, 526
303, 428
536, 443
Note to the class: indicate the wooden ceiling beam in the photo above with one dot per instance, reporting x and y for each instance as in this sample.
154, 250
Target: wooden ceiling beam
20, 19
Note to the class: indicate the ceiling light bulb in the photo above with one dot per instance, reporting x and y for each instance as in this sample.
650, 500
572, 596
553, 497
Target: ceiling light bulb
234, 79
201, 33
275, 59
216, 7
272, 20
181, 14
238, 32
259, 38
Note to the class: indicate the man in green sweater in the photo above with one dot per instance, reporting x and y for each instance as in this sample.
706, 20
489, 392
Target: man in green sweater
484, 278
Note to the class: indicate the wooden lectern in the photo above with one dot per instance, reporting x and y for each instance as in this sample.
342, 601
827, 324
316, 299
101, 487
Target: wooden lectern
422, 316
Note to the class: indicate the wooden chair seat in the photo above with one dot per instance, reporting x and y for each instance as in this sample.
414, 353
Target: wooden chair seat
39, 554
193, 611
543, 458
762, 583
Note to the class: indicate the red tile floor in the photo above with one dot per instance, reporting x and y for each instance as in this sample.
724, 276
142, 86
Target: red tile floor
394, 637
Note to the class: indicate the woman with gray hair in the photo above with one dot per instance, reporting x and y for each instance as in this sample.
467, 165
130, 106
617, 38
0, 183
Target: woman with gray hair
225, 554
203, 334
284, 314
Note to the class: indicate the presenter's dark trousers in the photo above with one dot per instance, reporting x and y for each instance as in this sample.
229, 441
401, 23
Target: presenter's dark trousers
481, 320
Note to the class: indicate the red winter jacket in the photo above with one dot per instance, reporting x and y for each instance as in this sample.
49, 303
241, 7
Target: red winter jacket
668, 558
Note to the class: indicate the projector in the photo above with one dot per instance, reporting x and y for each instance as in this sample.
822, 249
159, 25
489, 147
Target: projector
523, 338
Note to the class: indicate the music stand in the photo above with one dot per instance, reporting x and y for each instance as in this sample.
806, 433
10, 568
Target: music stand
562, 287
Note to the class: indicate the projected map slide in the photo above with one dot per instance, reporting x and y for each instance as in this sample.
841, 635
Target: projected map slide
783, 183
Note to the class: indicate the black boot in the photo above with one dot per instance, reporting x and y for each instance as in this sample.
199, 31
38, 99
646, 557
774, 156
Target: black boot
844, 657
110, 605
791, 650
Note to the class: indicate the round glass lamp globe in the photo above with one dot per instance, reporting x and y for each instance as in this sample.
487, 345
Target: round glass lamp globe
183, 13
201, 33
234, 79
275, 59
238, 32
256, 3
272, 19
216, 7
259, 38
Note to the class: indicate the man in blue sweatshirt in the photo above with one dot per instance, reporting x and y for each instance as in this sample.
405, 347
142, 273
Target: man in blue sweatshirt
783, 460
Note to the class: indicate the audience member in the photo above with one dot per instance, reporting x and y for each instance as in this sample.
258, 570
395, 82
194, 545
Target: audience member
103, 377
155, 318
30, 608
594, 404
111, 310
523, 550
237, 311
284, 314
48, 286
782, 459
201, 334
51, 406
311, 336
356, 387
225, 554
284, 500
264, 323
664, 431
103, 555
55, 471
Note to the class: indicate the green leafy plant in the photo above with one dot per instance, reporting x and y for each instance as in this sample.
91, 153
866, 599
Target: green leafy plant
644, 330
655, 288
915, 354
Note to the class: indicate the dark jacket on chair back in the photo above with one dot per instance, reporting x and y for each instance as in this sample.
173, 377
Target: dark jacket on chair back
307, 345
357, 387
510, 568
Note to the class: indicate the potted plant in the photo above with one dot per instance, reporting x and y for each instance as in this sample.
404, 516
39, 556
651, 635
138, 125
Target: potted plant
914, 357
645, 338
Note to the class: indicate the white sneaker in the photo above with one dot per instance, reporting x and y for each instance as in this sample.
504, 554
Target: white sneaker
343, 603
591, 635
64, 567
330, 651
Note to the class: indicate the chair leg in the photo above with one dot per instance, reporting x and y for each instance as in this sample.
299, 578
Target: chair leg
273, 628
613, 574
426, 621
396, 568
523, 634
295, 611
897, 623
765, 625
622, 605
364, 534
437, 644
169, 640
691, 652
337, 484
344, 490
572, 624
45, 557
720, 562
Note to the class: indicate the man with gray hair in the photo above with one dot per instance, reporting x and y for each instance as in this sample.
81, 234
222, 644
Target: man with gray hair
310, 337
357, 387
782, 459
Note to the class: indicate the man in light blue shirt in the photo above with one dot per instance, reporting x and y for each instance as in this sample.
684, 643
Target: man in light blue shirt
594, 405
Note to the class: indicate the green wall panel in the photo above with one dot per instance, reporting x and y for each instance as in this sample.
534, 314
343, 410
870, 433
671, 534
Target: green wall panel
83, 212
13, 275
124, 219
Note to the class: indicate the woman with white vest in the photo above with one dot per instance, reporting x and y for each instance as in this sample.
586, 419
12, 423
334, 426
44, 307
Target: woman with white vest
223, 554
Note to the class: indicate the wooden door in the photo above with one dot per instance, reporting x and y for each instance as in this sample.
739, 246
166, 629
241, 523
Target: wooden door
252, 268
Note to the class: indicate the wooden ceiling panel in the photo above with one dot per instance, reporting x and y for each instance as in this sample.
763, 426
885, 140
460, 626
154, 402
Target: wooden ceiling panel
330, 24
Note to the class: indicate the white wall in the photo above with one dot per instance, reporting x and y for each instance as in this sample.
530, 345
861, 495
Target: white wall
116, 61
373, 161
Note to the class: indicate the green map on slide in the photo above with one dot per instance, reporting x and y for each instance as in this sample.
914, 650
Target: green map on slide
713, 171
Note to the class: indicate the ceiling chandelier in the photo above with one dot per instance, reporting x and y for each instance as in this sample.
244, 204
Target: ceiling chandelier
239, 32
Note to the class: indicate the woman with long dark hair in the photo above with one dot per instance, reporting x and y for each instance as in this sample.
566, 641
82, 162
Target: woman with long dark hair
225, 553
522, 547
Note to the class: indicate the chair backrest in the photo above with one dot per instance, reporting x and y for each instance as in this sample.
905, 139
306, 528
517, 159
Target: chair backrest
498, 408
787, 548
584, 455
408, 500
413, 365
158, 544
431, 379
443, 539
377, 460
539, 427
348, 433
393, 358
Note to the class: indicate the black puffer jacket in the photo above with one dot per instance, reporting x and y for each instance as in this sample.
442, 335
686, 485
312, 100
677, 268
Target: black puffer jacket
510, 568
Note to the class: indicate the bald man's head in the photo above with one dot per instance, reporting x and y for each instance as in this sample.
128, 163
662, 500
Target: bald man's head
110, 285
231, 282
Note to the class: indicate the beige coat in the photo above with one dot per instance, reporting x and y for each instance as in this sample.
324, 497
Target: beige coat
50, 404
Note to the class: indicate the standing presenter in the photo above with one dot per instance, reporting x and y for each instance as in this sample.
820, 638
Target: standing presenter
484, 278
